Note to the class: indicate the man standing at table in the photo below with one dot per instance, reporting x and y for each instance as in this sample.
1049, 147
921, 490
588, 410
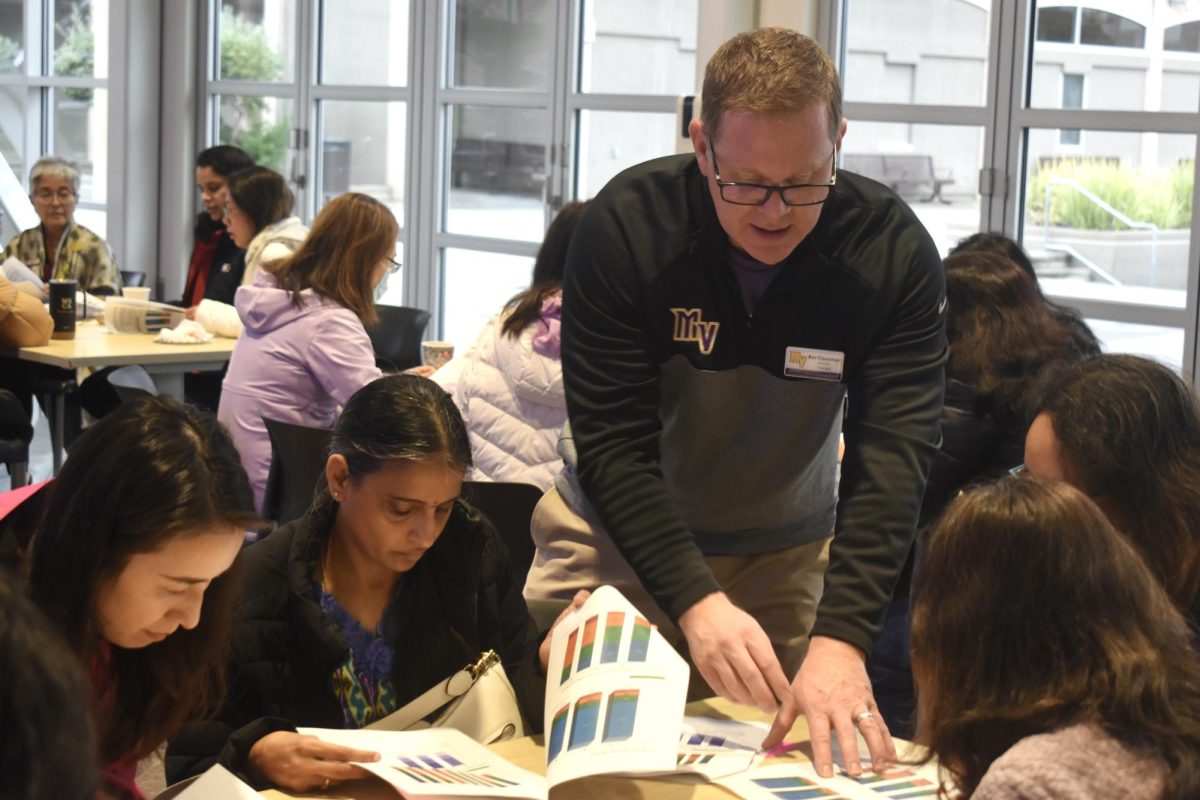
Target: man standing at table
719, 310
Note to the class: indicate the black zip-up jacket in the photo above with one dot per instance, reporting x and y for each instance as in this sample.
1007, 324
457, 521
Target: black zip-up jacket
697, 433
285, 649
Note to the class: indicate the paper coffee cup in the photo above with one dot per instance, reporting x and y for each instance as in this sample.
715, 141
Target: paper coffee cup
62, 308
436, 354
136, 292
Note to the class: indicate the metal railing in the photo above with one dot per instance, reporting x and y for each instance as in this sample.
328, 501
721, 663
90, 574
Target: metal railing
1103, 206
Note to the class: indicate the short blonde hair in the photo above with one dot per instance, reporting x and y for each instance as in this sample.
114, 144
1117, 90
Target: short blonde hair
770, 71
53, 167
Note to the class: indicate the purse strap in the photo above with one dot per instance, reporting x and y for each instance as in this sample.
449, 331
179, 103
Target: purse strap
443, 692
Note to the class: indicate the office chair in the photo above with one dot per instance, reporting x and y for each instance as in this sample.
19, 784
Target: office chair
397, 338
131, 277
510, 508
298, 455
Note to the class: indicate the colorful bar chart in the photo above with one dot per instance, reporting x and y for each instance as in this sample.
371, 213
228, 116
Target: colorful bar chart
700, 740
639, 639
444, 769
611, 648
585, 719
687, 759
558, 732
795, 788
620, 715
569, 656
587, 644
897, 784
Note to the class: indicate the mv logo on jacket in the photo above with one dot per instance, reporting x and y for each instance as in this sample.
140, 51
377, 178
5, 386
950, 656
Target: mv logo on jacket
690, 328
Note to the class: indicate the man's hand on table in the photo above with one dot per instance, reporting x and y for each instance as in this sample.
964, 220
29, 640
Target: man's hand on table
733, 653
834, 693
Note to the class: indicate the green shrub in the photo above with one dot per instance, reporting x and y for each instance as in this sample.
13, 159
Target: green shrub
246, 55
1161, 196
76, 55
9, 51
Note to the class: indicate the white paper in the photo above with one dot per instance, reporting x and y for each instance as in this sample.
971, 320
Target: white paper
125, 315
615, 691
437, 762
218, 782
798, 779
17, 272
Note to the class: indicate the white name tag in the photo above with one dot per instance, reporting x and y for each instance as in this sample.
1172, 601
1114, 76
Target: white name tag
821, 365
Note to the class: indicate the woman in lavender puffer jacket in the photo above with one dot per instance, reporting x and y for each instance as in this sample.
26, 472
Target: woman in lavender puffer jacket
305, 349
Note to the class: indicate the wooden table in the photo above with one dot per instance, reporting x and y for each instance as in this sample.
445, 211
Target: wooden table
529, 753
93, 346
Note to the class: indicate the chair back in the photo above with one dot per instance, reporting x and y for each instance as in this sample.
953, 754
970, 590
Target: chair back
132, 383
15, 435
131, 277
397, 338
298, 456
510, 508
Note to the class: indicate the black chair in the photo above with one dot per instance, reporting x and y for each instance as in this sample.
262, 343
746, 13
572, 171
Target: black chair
15, 435
132, 383
510, 508
298, 456
397, 338
131, 277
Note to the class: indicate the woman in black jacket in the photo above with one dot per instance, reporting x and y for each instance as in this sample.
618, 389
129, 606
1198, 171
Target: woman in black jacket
388, 585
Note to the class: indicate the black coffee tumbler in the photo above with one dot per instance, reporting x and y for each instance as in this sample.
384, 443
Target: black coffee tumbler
62, 308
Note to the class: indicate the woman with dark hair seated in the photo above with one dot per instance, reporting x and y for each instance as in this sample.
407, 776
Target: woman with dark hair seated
387, 586
139, 532
258, 216
1001, 337
1049, 661
1126, 431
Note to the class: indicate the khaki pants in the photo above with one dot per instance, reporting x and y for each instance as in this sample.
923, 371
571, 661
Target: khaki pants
779, 589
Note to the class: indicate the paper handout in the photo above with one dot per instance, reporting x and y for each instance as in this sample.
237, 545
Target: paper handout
799, 779
615, 691
438, 762
217, 781
17, 272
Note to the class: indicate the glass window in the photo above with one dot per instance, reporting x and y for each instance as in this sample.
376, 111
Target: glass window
1114, 222
480, 284
1160, 343
1072, 97
938, 57
393, 294
1183, 38
1110, 30
80, 47
378, 27
496, 171
1056, 24
12, 129
933, 167
362, 149
81, 136
634, 47
258, 125
502, 44
12, 37
610, 141
257, 40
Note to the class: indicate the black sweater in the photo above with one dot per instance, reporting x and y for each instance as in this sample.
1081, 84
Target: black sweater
285, 650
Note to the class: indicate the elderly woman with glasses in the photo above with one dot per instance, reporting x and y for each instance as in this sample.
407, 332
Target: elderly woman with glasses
60, 248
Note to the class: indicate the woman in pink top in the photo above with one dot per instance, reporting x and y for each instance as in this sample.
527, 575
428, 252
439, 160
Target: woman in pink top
1049, 661
305, 349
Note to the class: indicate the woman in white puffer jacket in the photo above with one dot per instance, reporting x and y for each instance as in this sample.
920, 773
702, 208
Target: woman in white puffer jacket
508, 386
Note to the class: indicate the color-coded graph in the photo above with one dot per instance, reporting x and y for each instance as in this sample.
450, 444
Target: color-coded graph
620, 716
639, 639
898, 784
569, 657
793, 787
700, 740
558, 733
688, 759
584, 720
613, 626
444, 769
587, 644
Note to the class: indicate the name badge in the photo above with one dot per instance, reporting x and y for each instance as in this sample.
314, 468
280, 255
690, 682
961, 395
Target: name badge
821, 365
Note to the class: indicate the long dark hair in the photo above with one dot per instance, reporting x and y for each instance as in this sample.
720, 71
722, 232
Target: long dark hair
1129, 429
348, 240
1084, 339
223, 159
408, 418
1033, 613
152, 470
1000, 333
49, 743
262, 195
547, 271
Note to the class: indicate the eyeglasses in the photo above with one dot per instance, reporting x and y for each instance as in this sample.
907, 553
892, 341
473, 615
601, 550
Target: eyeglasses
394, 266
47, 196
755, 194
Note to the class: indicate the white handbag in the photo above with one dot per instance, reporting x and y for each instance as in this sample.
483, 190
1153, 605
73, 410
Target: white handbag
477, 700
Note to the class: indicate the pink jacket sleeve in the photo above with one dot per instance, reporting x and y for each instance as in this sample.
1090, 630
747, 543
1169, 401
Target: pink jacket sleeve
341, 357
